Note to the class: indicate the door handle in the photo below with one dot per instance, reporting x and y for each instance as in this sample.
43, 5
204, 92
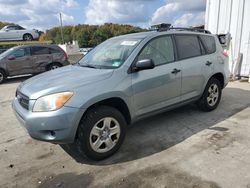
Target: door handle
208, 63
175, 71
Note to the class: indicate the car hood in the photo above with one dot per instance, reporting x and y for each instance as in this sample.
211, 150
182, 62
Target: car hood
64, 79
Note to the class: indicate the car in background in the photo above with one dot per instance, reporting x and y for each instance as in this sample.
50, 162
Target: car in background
84, 51
16, 32
31, 59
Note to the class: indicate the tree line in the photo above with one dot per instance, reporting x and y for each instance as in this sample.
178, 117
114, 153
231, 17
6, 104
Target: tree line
86, 35
89, 35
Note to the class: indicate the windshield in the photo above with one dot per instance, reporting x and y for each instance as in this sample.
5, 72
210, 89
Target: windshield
110, 54
4, 28
6, 53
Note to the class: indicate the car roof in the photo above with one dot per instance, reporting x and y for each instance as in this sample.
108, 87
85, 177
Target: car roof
38, 45
142, 35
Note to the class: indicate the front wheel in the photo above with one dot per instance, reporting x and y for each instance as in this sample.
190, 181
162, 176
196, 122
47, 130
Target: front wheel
101, 132
211, 96
2, 76
53, 66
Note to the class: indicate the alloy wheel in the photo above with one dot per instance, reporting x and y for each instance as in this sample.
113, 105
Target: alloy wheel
213, 95
105, 135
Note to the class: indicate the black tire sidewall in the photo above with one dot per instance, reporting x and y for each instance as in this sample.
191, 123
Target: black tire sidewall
52, 64
203, 103
86, 125
27, 35
4, 76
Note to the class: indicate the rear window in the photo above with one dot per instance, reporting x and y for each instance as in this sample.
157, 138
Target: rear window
187, 46
209, 43
37, 50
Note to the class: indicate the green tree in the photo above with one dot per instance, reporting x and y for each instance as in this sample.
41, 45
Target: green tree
89, 35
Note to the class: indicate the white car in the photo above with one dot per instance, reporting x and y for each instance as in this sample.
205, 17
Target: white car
16, 32
84, 51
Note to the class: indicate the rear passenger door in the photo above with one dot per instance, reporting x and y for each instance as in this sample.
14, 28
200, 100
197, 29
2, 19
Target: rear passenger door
160, 87
41, 58
195, 66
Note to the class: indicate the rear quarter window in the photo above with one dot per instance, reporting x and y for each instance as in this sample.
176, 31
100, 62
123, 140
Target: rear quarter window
55, 50
209, 43
37, 50
187, 46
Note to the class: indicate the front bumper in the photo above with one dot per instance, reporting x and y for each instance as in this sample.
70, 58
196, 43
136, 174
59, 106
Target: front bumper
58, 126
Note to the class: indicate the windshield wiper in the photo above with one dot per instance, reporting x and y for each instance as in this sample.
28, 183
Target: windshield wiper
89, 66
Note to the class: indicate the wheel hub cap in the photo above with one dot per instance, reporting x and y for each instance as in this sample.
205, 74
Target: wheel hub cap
213, 94
104, 135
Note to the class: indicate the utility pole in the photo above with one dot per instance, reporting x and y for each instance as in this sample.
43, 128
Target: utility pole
61, 27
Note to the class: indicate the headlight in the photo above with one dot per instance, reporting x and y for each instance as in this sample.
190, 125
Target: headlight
51, 102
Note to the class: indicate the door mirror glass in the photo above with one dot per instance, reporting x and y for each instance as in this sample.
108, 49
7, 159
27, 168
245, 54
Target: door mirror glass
144, 64
11, 57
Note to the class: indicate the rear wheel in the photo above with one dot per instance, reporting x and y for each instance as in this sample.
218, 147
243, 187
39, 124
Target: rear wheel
53, 66
2, 76
100, 133
27, 37
211, 96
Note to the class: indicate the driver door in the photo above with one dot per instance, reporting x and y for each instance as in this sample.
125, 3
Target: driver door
160, 87
19, 62
10, 33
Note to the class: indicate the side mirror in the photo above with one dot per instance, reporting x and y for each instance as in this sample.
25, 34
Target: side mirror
7, 30
144, 64
11, 57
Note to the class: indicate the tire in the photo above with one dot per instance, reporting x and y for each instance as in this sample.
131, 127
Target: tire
27, 37
94, 139
53, 66
211, 96
2, 76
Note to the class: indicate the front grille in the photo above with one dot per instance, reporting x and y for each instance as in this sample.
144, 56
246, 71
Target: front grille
23, 100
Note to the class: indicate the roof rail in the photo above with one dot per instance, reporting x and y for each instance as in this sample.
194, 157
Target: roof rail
167, 27
190, 29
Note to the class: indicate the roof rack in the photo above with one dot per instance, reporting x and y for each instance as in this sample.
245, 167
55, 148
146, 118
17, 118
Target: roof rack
166, 27
190, 29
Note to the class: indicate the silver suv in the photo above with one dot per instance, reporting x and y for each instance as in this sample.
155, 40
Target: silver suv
121, 81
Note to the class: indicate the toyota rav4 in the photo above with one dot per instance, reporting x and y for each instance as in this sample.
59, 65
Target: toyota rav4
124, 79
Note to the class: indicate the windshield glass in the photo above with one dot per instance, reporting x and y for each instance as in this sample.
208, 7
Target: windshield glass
110, 54
6, 53
4, 28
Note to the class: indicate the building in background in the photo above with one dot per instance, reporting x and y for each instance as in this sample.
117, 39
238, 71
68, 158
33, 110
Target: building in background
233, 16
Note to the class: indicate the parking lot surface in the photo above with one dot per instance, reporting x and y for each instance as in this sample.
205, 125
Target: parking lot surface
181, 148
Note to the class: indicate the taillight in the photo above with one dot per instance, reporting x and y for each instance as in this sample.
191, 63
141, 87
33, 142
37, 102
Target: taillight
225, 53
65, 55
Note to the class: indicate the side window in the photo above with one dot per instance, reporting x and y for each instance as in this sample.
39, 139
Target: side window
160, 50
187, 46
209, 43
11, 28
27, 51
38, 50
19, 53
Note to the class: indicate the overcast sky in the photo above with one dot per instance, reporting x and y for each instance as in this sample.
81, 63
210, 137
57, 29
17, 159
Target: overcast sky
44, 14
